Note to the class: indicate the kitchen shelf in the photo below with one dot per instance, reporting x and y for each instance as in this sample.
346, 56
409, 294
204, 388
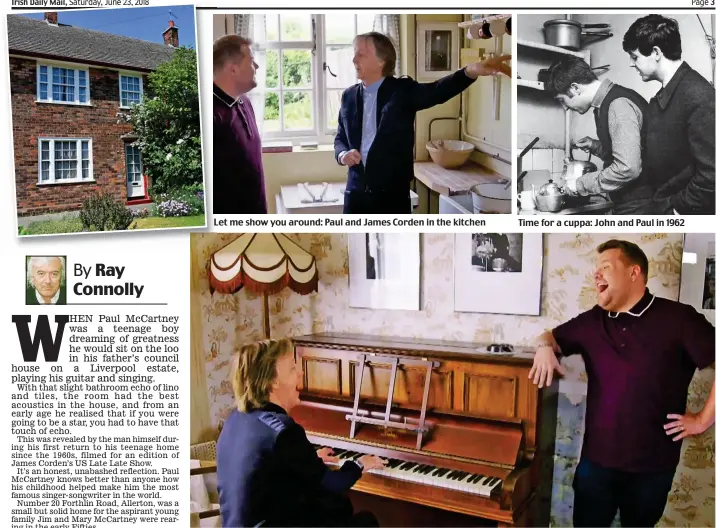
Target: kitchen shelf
554, 49
480, 20
530, 84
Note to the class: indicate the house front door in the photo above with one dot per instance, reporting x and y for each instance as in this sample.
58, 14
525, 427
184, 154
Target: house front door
135, 177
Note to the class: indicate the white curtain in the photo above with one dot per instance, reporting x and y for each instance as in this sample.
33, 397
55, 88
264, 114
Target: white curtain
390, 25
254, 28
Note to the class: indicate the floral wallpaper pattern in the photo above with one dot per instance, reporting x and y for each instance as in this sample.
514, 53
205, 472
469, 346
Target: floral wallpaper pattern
231, 320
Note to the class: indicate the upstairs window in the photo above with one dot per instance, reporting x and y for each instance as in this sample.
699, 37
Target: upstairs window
130, 90
62, 85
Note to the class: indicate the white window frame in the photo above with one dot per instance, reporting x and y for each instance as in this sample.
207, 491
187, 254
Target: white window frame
66, 65
78, 141
320, 132
323, 45
141, 86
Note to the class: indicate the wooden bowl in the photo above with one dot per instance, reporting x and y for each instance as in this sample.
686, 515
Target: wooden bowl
449, 153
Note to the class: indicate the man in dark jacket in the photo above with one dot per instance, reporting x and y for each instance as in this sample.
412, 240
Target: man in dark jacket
680, 120
267, 470
619, 120
375, 134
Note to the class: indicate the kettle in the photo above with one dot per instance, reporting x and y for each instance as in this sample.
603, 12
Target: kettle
550, 197
575, 168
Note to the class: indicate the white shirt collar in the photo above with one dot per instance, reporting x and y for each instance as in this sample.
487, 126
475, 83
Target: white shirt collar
614, 315
40, 300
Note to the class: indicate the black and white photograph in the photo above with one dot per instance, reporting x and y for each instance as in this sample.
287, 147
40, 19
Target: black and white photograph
374, 256
698, 267
438, 49
616, 114
498, 252
709, 276
498, 273
384, 271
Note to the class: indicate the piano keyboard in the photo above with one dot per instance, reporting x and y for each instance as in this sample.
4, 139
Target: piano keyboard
427, 474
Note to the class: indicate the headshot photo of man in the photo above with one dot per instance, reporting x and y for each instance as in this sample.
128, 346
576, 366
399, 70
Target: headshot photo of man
45, 282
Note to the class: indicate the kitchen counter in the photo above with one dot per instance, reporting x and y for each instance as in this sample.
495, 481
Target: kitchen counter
573, 208
454, 181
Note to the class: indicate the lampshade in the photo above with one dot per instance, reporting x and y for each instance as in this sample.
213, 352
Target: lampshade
265, 263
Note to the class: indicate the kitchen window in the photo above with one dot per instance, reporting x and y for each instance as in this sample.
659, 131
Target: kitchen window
65, 160
62, 84
130, 90
308, 65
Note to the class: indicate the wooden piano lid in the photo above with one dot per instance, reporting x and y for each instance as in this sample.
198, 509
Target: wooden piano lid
435, 348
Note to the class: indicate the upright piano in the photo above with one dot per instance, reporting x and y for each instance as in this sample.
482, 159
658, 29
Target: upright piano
468, 437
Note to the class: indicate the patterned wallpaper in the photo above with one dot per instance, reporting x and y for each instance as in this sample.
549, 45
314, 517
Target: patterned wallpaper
231, 320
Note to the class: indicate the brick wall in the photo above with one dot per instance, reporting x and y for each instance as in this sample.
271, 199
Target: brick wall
31, 120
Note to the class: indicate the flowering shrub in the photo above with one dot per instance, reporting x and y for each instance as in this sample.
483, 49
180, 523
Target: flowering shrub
191, 195
173, 208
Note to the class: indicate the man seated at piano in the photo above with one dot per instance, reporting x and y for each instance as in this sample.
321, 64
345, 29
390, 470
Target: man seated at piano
640, 353
268, 472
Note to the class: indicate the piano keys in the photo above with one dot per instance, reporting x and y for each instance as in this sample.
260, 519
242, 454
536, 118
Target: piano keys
428, 474
487, 445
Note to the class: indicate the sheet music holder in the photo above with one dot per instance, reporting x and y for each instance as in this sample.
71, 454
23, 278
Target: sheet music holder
386, 422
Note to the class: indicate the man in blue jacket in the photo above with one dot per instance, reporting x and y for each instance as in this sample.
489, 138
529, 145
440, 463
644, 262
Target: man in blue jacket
375, 135
268, 472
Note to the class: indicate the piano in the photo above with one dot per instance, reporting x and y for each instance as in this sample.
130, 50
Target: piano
468, 437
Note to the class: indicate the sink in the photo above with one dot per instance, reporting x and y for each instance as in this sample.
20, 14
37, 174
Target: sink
491, 198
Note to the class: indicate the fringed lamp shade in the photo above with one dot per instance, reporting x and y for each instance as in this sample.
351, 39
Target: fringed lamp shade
265, 263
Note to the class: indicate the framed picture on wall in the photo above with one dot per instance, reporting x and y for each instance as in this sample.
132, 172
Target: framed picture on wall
384, 271
498, 273
438, 50
698, 269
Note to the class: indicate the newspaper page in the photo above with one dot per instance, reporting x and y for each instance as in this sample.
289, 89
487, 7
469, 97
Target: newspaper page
361, 265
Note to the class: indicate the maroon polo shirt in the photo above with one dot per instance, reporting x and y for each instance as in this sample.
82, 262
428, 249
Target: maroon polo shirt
640, 364
238, 174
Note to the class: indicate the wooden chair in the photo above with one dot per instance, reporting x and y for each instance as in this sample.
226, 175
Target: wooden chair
204, 493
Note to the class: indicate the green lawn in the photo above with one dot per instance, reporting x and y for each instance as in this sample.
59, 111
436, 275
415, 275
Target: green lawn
72, 224
158, 222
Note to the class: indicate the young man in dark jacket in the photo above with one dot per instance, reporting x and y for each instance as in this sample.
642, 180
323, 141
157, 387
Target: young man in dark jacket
679, 120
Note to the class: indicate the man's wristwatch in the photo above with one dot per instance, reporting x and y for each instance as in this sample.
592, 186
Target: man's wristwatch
357, 463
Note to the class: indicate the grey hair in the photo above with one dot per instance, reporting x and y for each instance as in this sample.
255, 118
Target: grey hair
32, 261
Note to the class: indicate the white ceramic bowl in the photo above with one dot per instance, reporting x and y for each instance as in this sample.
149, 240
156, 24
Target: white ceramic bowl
453, 153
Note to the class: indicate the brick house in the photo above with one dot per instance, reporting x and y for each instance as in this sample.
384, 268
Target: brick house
68, 84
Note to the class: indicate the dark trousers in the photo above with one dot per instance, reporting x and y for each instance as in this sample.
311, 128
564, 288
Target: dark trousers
599, 492
632, 207
377, 202
336, 510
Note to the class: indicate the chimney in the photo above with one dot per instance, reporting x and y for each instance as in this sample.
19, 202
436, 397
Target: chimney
51, 17
171, 35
